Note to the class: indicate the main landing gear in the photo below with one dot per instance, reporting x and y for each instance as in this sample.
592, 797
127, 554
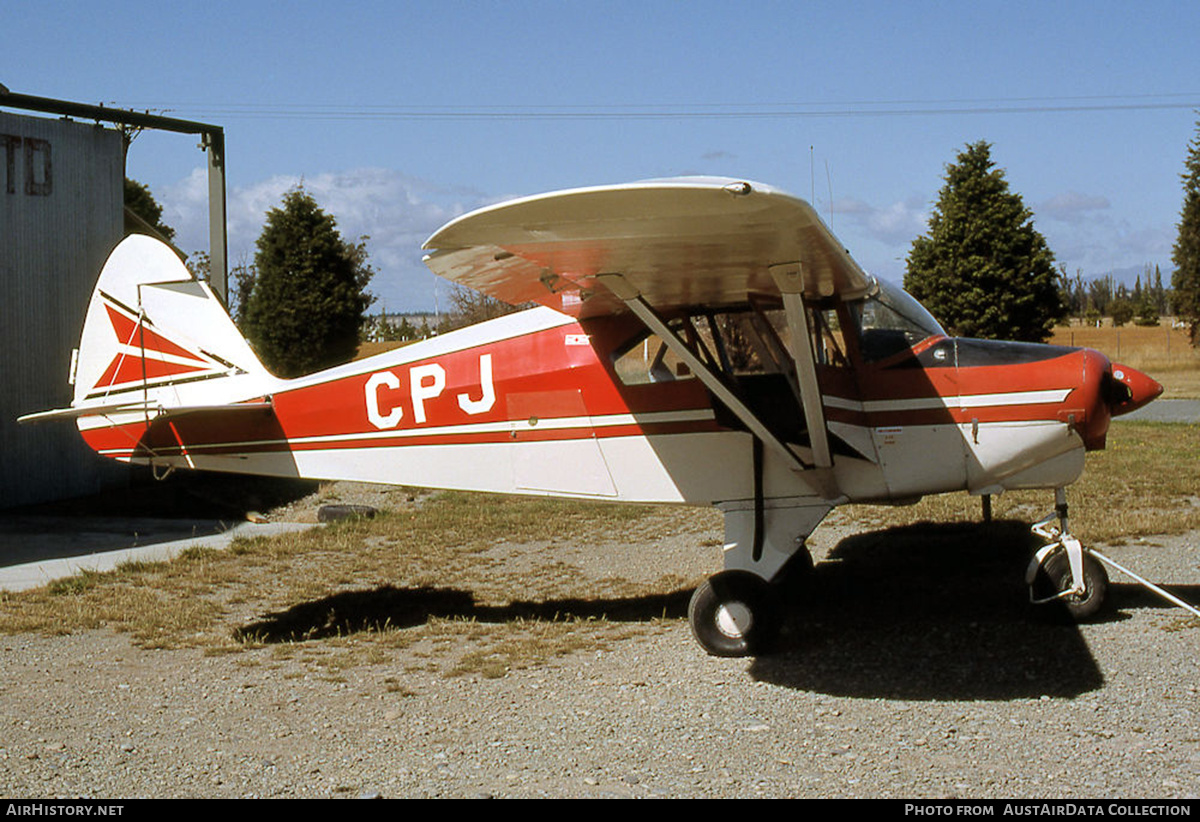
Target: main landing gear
738, 612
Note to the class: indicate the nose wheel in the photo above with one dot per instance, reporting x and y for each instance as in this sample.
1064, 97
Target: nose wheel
1064, 571
1055, 582
734, 613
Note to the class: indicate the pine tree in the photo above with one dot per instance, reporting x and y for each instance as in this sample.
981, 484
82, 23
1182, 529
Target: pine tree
983, 269
305, 299
1147, 310
1122, 310
141, 202
1185, 282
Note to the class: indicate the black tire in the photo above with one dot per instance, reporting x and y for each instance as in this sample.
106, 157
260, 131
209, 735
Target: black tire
734, 613
1055, 575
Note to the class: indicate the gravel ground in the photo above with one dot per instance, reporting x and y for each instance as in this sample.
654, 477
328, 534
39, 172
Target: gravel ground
913, 669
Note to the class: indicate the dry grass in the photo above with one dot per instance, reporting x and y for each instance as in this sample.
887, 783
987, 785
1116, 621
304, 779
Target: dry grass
1180, 382
437, 579
424, 578
1146, 482
370, 349
1161, 351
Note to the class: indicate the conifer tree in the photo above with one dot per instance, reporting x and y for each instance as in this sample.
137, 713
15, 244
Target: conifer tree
982, 269
141, 202
305, 299
1185, 282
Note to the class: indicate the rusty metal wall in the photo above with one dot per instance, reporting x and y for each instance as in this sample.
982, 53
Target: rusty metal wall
61, 213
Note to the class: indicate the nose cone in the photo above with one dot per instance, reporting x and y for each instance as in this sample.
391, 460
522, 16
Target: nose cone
1106, 391
1129, 390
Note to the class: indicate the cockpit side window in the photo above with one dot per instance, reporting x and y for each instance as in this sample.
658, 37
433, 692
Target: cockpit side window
891, 322
647, 359
829, 338
739, 342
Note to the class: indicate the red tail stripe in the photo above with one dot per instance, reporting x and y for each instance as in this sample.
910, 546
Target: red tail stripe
128, 333
129, 368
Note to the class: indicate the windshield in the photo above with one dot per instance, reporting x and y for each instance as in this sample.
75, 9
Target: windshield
891, 321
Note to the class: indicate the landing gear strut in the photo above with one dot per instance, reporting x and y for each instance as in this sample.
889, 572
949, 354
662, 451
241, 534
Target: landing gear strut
1063, 570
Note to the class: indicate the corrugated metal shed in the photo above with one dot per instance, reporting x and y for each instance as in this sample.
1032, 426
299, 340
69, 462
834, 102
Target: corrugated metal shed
61, 213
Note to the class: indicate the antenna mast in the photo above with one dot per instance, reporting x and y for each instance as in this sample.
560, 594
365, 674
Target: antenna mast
829, 182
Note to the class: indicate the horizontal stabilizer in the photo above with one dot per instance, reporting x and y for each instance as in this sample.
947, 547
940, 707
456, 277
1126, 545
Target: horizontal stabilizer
154, 410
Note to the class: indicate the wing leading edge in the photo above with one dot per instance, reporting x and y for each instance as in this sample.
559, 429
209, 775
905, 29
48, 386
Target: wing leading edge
680, 242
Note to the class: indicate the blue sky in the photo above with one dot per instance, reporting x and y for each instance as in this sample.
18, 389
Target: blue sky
398, 116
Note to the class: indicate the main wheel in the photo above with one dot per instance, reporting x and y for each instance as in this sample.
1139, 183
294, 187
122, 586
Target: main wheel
734, 613
1055, 576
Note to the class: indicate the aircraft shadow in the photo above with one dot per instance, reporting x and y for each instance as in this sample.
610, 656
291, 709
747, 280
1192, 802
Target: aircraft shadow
185, 505
925, 612
931, 612
182, 494
398, 608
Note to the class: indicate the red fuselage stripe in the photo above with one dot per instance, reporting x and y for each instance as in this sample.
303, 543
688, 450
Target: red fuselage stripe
523, 388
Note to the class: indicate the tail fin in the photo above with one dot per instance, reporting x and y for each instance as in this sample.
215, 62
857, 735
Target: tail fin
154, 335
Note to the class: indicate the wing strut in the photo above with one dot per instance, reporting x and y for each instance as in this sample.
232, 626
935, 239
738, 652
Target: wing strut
791, 285
629, 295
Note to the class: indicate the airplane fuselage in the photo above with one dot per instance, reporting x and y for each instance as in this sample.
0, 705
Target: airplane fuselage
535, 403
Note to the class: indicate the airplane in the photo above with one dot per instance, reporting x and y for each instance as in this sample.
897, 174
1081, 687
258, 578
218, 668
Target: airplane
693, 340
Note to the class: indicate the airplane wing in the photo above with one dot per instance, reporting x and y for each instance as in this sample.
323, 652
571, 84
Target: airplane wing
679, 242
660, 245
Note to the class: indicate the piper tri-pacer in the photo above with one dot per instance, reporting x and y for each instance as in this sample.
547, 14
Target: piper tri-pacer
702, 341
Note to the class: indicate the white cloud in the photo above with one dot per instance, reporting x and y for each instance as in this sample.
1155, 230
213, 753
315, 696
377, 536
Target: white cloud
398, 212
895, 224
1100, 244
1084, 235
1073, 207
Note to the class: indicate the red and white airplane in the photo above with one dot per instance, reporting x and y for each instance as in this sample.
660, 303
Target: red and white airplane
703, 341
